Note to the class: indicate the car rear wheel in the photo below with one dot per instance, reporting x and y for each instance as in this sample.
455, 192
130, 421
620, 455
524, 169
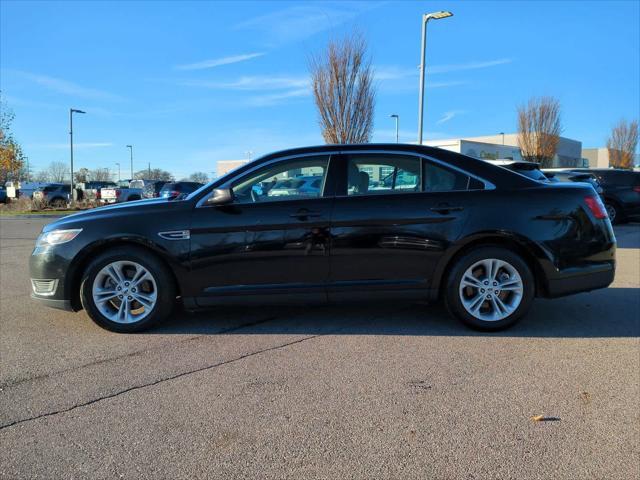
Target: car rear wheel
489, 288
127, 290
614, 211
58, 203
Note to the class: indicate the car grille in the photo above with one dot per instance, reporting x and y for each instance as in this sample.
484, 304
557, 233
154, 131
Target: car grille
44, 287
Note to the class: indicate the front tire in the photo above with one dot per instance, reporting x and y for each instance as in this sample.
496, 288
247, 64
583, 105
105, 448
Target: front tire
489, 288
127, 289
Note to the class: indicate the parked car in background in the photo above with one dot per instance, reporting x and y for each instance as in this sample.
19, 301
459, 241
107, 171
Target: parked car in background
573, 176
621, 192
305, 186
174, 190
3, 195
90, 191
528, 169
54, 195
483, 239
152, 188
132, 191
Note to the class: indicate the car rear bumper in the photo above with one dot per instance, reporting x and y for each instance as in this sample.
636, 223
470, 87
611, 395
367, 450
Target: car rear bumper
581, 279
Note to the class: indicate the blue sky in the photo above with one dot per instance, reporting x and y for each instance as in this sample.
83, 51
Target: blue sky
190, 83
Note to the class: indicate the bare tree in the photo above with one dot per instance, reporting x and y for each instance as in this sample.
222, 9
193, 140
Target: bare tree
42, 176
154, 174
58, 171
539, 129
622, 144
200, 177
342, 82
100, 175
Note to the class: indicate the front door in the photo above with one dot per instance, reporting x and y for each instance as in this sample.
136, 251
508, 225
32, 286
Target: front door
272, 243
392, 222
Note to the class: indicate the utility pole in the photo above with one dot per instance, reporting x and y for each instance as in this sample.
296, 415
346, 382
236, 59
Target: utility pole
71, 112
149, 170
425, 20
397, 118
130, 147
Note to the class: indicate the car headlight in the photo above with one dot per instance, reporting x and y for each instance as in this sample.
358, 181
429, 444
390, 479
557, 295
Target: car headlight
56, 237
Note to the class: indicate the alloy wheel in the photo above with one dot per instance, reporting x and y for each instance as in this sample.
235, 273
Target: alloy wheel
611, 211
491, 290
124, 292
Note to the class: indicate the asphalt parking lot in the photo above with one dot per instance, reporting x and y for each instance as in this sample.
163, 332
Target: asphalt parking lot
397, 391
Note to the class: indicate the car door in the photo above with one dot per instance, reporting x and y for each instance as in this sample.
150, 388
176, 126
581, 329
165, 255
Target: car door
271, 243
393, 218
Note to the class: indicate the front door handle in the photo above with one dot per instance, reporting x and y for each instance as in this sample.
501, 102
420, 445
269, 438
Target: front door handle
304, 214
446, 208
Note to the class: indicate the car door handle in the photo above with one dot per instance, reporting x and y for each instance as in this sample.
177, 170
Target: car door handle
446, 208
304, 214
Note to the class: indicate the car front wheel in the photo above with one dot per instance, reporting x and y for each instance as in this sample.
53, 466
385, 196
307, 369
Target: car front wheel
489, 288
127, 290
614, 212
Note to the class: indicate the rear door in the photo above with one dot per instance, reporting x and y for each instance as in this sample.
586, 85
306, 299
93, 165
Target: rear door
394, 217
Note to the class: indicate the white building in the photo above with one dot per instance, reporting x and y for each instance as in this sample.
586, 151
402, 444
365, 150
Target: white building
569, 153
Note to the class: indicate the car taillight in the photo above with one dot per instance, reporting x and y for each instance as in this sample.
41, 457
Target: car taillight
596, 206
98, 194
174, 193
636, 189
117, 193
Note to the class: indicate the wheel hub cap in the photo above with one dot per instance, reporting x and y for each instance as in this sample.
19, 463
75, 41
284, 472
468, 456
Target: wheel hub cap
491, 290
124, 292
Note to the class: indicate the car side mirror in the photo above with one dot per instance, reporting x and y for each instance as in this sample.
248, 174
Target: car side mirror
221, 196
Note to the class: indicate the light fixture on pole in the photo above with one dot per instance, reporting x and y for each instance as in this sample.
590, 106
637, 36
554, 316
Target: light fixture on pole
425, 19
118, 164
130, 147
71, 112
397, 118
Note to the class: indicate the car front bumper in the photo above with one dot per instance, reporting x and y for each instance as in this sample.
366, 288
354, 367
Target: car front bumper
59, 304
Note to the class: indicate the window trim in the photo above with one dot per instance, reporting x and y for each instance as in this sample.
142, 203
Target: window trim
338, 152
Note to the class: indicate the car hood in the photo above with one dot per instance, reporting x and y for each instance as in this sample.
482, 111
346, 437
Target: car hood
139, 207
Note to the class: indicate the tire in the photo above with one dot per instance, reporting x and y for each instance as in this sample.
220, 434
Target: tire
58, 203
146, 303
512, 302
615, 212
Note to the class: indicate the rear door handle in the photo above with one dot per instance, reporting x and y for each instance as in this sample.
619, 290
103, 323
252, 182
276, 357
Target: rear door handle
445, 208
304, 214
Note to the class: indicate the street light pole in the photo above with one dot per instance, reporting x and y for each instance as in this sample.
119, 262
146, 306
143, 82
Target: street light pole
397, 119
130, 147
425, 18
71, 112
502, 133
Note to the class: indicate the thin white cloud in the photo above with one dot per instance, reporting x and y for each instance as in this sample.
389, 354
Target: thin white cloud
449, 115
468, 66
260, 82
302, 21
216, 62
68, 88
394, 72
277, 98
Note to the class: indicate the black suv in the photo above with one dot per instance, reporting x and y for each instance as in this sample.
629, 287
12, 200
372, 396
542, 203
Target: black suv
178, 189
621, 192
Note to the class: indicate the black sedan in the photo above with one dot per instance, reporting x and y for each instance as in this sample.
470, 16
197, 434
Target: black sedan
389, 221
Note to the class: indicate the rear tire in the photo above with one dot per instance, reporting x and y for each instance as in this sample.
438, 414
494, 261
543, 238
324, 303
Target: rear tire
489, 288
58, 203
127, 289
615, 212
